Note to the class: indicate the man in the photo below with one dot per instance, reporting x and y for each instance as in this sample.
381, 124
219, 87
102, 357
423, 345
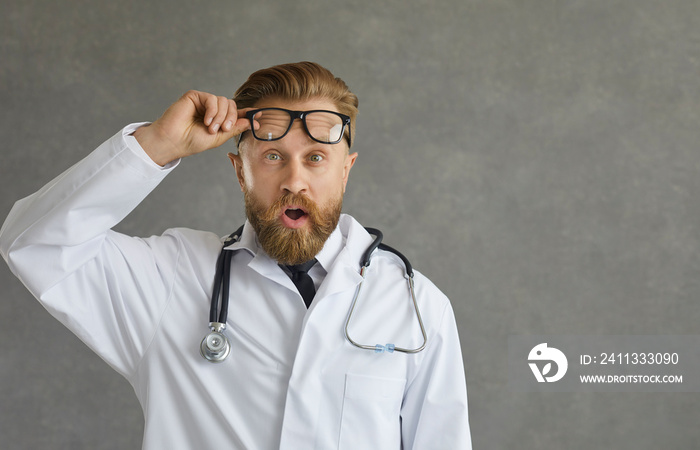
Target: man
292, 380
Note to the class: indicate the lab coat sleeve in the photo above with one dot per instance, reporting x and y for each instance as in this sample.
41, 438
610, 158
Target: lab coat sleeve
434, 412
59, 243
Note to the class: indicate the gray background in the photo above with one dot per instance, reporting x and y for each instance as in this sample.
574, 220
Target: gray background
536, 158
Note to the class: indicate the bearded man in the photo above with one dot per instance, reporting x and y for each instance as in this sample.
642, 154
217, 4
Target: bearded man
293, 379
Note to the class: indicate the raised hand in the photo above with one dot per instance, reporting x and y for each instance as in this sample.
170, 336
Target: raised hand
198, 121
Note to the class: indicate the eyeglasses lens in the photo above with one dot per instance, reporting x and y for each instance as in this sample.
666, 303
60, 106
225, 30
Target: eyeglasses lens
325, 127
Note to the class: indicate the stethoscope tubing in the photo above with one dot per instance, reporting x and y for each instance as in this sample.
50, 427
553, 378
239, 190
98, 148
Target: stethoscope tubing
222, 280
218, 312
366, 258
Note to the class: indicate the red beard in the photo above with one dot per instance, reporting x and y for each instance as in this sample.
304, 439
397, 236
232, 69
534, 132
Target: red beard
292, 245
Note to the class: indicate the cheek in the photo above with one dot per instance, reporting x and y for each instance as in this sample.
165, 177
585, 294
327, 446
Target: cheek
341, 178
333, 186
261, 186
251, 178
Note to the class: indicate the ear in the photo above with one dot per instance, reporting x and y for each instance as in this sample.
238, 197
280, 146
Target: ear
237, 162
349, 162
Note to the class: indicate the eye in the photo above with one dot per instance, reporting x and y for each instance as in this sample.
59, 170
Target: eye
316, 158
272, 157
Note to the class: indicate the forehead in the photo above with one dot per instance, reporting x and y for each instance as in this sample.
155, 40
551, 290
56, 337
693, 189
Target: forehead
297, 105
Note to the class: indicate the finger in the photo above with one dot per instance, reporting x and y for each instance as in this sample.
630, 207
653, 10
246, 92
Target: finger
240, 121
211, 107
255, 123
219, 115
232, 115
240, 124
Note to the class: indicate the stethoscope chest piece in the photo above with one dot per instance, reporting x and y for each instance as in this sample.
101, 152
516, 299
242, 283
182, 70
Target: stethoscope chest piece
215, 346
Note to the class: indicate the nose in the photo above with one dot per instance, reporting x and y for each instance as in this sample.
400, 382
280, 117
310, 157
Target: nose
295, 177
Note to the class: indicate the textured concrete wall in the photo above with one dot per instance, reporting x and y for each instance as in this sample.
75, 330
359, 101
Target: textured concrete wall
536, 158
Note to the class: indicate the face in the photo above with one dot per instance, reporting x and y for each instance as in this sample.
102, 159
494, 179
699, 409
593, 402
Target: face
293, 187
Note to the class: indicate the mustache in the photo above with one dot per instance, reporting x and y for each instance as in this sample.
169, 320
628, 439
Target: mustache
298, 201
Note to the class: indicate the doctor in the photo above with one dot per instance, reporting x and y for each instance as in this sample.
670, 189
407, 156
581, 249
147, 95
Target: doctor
292, 380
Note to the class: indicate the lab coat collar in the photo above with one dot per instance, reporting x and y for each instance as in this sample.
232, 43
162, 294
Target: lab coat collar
247, 241
260, 262
331, 249
344, 272
355, 240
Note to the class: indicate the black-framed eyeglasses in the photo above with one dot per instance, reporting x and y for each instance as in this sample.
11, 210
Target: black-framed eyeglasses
325, 127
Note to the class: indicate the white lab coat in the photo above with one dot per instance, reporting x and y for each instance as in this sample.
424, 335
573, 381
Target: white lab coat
292, 380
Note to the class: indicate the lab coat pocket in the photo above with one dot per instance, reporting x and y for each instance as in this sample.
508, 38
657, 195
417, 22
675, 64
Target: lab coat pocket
371, 413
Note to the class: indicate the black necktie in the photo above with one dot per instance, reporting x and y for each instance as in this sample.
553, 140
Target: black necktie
303, 281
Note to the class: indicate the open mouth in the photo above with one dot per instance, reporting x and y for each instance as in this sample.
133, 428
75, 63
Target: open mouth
294, 217
294, 213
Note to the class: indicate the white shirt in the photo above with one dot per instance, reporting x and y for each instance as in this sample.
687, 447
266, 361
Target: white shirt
292, 380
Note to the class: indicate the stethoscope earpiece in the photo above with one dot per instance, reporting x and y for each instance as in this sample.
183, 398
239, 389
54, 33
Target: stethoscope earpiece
215, 346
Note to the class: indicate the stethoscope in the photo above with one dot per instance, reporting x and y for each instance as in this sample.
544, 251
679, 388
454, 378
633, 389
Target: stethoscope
215, 346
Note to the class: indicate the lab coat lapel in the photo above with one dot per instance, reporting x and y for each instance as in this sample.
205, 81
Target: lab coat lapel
304, 424
344, 274
270, 270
